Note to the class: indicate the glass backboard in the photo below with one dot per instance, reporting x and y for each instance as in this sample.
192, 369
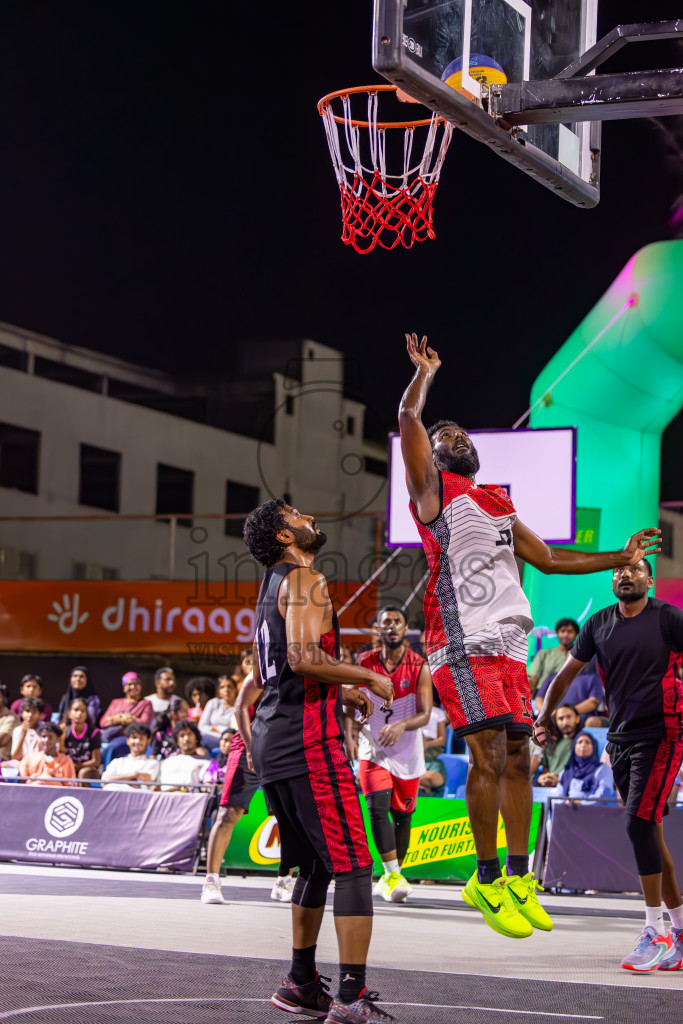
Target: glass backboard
446, 53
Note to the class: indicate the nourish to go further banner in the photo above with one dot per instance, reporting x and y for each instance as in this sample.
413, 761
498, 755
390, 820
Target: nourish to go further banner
203, 619
441, 844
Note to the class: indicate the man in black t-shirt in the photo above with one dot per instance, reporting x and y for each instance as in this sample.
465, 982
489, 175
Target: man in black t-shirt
638, 643
296, 743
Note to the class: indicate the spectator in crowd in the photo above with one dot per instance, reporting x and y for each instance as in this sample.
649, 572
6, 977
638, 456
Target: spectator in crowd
346, 655
8, 723
554, 756
585, 778
80, 685
375, 639
24, 736
162, 730
138, 766
433, 781
164, 683
219, 713
241, 671
186, 767
215, 772
551, 660
586, 692
419, 646
46, 765
82, 742
199, 691
32, 686
122, 711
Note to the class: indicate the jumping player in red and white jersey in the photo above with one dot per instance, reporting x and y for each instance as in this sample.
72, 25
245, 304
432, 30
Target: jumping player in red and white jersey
390, 749
299, 756
476, 621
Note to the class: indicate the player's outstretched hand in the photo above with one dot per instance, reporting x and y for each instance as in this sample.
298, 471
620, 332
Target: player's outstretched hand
359, 701
641, 544
541, 731
421, 356
382, 687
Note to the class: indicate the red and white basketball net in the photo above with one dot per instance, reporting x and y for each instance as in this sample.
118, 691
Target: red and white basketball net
379, 208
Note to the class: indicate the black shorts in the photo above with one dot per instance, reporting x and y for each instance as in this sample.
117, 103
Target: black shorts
240, 782
644, 774
319, 818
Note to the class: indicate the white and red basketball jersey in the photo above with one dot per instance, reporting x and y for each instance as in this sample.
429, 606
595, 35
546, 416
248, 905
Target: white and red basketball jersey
405, 760
472, 565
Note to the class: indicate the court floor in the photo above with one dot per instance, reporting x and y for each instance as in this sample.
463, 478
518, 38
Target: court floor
106, 947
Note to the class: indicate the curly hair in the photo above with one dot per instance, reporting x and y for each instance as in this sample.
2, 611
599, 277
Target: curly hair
260, 532
187, 726
436, 427
201, 683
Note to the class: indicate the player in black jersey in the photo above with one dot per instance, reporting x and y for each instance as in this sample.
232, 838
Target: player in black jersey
638, 643
298, 753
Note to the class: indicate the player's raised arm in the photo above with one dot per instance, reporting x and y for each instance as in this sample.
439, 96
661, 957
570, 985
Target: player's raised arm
308, 611
422, 475
548, 560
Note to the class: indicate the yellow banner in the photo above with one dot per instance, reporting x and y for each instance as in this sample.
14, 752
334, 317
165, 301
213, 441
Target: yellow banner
444, 840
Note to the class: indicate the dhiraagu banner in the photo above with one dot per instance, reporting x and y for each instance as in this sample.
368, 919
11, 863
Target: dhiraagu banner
441, 845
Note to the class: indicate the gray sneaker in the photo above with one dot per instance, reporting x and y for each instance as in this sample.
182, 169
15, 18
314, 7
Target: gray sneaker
650, 949
363, 1010
673, 960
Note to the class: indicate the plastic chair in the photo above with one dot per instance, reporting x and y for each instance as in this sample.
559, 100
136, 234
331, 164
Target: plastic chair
456, 767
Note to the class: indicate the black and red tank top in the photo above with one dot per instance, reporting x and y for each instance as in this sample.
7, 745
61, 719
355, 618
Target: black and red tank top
298, 726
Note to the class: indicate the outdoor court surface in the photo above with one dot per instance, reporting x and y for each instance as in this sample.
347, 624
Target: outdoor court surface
105, 947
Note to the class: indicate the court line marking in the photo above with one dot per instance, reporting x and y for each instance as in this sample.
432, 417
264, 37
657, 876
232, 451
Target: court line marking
8, 1015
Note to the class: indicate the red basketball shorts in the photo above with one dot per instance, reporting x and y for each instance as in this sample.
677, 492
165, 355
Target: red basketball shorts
489, 686
374, 778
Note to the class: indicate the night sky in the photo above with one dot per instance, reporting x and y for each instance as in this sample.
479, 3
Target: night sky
166, 192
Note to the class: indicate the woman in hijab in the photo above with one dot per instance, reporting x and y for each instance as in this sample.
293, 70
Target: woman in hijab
81, 687
584, 778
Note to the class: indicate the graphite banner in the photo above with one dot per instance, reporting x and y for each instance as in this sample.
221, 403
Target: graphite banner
118, 829
589, 848
441, 844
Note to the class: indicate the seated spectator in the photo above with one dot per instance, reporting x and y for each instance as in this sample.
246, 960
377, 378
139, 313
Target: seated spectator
586, 693
554, 757
47, 766
82, 742
124, 772
32, 686
199, 691
215, 772
80, 685
186, 767
219, 713
584, 777
122, 711
164, 724
8, 723
433, 781
551, 660
24, 736
164, 682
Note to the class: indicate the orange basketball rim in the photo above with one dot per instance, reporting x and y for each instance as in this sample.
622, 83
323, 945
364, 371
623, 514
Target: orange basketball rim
381, 207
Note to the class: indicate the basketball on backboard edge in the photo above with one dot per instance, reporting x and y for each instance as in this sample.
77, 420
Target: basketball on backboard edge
484, 70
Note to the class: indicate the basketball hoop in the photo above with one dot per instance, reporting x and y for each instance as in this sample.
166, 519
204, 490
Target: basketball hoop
379, 208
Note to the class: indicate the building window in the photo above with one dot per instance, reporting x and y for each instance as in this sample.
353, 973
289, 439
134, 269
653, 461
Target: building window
350, 426
239, 498
667, 539
109, 574
375, 466
175, 488
289, 405
27, 566
99, 479
19, 452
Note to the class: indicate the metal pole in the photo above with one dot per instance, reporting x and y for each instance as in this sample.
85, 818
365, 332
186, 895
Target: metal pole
172, 527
